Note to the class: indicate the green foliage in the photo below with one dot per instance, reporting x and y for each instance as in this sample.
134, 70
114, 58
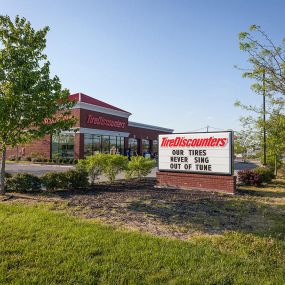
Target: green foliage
23, 182
54, 181
76, 179
113, 165
94, 165
266, 173
256, 176
265, 57
27, 92
139, 166
71, 179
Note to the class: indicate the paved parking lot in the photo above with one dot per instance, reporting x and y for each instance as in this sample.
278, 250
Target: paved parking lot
36, 169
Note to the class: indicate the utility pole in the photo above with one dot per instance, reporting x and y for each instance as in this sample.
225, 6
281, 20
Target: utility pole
264, 120
207, 129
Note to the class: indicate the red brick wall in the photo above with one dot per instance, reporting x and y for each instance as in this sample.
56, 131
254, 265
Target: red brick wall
218, 183
42, 146
79, 146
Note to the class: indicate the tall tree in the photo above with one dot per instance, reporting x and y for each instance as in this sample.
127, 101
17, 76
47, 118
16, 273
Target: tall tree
267, 69
28, 94
266, 57
275, 126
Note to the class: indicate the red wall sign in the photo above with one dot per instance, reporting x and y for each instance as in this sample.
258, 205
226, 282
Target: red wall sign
50, 121
101, 121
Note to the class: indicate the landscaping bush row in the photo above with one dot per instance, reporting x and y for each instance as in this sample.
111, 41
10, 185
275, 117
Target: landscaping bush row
86, 170
25, 182
110, 165
256, 176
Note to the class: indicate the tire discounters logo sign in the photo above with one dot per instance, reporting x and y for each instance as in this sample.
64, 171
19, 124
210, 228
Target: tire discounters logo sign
209, 153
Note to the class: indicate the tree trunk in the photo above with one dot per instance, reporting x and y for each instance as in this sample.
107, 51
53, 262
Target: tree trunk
3, 163
275, 165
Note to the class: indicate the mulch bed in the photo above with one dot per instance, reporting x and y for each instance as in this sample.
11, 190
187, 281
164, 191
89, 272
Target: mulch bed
174, 213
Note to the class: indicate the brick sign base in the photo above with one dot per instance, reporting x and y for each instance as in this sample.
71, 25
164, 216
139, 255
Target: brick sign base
217, 183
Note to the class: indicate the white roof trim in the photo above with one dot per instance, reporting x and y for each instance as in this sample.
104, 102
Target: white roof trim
91, 107
144, 126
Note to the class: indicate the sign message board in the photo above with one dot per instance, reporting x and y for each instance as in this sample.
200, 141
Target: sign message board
209, 153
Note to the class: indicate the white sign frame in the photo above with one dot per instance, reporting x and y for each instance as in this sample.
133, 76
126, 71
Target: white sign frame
230, 153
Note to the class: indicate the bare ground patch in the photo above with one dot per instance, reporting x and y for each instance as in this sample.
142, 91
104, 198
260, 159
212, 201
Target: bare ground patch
173, 213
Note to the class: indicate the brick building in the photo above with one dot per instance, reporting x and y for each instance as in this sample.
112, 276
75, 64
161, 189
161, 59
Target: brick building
100, 128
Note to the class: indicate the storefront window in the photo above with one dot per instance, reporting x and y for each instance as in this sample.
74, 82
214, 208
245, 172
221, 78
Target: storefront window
88, 145
155, 146
63, 146
120, 145
92, 144
103, 144
145, 146
113, 145
133, 146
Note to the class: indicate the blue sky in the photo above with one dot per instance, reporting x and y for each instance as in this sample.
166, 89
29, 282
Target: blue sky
170, 63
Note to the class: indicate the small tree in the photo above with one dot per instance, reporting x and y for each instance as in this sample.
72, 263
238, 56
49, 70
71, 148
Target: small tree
114, 165
94, 165
29, 97
139, 166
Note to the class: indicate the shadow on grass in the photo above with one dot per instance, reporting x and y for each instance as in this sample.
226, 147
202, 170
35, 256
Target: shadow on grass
274, 189
138, 204
216, 214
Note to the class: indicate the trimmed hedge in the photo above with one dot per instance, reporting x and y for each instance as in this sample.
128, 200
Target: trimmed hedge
54, 181
76, 179
71, 179
266, 173
23, 182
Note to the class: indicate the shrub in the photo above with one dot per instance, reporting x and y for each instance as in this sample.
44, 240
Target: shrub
93, 165
75, 161
139, 166
23, 182
249, 177
266, 173
113, 165
8, 175
56, 157
54, 180
76, 178
37, 156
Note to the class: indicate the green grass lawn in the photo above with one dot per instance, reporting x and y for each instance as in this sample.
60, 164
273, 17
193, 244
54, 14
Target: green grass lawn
41, 246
